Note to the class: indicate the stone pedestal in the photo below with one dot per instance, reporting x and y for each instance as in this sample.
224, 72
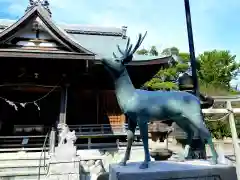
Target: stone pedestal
164, 170
64, 164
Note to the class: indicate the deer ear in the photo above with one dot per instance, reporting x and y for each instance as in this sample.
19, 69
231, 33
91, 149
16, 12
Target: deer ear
127, 60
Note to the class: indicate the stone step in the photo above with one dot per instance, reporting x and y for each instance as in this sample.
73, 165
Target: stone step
21, 163
16, 170
21, 166
22, 155
32, 177
14, 173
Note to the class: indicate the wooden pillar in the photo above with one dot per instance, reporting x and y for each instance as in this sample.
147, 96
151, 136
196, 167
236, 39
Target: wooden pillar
234, 137
52, 141
123, 118
63, 106
123, 121
97, 96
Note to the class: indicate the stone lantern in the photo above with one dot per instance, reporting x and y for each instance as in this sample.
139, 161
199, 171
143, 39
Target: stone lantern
159, 131
185, 82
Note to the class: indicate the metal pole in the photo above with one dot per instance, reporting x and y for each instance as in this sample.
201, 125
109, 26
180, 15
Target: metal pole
234, 138
191, 47
198, 147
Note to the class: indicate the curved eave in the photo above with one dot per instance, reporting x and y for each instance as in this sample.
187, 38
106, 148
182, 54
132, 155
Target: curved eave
35, 54
140, 70
158, 60
40, 12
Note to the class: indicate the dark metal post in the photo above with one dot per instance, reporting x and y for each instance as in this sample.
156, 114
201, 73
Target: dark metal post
63, 106
191, 47
198, 147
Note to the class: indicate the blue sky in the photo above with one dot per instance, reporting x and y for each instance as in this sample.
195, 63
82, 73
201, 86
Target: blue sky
216, 23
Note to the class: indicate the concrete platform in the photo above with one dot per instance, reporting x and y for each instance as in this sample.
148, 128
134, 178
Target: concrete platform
166, 170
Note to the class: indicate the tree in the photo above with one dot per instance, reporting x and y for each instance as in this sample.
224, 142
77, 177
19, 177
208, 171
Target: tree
217, 68
142, 52
215, 71
165, 79
171, 51
185, 57
153, 51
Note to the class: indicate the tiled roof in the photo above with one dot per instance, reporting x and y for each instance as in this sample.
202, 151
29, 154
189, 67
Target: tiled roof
75, 28
102, 41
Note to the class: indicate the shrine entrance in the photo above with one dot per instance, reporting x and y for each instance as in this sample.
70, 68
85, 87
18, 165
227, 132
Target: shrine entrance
28, 113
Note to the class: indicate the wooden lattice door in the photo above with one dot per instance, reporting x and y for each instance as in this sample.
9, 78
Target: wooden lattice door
111, 109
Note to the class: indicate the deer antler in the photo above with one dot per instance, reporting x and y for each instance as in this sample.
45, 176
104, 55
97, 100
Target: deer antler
127, 54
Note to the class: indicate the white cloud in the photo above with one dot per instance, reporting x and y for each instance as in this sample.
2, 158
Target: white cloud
215, 25
163, 19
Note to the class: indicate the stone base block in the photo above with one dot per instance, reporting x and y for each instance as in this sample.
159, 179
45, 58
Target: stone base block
64, 168
166, 170
64, 177
64, 171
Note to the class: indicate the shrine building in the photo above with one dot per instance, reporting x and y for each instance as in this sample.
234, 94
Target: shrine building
51, 73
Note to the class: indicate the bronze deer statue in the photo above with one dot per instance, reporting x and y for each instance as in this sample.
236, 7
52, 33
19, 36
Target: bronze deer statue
141, 106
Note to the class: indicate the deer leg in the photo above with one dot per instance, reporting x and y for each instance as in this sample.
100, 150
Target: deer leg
190, 134
143, 126
213, 150
204, 133
185, 125
130, 137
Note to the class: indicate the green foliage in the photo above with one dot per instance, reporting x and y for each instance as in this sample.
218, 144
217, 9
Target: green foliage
157, 84
142, 52
217, 68
215, 71
171, 51
219, 129
185, 57
165, 78
153, 51
213, 89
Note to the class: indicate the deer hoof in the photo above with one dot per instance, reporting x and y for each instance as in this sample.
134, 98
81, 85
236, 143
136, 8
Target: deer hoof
122, 163
181, 159
214, 161
144, 165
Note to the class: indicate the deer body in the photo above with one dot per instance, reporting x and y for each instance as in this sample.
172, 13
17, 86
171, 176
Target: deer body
141, 107
153, 104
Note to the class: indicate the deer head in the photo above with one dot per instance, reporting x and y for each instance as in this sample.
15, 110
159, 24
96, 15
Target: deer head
117, 65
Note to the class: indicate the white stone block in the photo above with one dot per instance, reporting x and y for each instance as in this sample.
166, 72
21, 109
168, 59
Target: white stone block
164, 170
64, 168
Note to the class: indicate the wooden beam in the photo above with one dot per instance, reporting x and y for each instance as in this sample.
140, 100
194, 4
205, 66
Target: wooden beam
220, 111
33, 89
14, 53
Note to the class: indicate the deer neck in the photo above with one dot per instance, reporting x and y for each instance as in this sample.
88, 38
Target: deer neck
124, 89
